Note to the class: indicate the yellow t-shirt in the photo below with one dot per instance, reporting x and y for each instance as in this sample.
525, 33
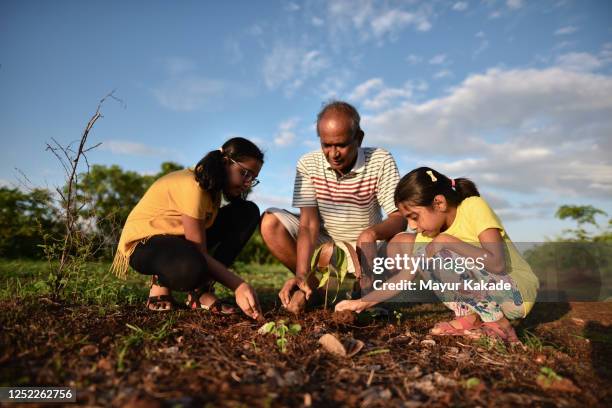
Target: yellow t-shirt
473, 217
159, 212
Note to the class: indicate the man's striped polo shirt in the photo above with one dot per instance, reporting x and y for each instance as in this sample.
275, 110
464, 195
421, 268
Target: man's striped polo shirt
351, 203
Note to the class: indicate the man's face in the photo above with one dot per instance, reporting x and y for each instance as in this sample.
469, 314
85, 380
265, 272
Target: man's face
339, 146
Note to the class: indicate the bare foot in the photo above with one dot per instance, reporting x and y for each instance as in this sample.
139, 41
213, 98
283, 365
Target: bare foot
459, 326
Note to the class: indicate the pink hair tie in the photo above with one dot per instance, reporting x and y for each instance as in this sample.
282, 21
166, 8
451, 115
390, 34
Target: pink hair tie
453, 184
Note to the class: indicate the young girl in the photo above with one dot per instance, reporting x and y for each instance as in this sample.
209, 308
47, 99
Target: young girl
170, 232
455, 224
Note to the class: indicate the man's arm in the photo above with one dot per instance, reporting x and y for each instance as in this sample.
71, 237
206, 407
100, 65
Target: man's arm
308, 233
384, 231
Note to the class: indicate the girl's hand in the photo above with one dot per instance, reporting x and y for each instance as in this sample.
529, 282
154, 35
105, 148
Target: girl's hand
246, 298
356, 305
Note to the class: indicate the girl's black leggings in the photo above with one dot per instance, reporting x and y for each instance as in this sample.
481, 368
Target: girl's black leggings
178, 263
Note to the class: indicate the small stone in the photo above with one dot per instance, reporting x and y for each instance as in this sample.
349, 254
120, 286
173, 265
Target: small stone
428, 343
89, 350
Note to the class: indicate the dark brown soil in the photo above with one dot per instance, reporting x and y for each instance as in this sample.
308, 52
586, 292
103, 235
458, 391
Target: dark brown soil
345, 317
190, 358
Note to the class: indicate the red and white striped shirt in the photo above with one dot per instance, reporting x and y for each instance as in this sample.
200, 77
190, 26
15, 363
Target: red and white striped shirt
351, 203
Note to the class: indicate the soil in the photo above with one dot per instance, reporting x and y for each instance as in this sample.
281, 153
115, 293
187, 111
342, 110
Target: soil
189, 358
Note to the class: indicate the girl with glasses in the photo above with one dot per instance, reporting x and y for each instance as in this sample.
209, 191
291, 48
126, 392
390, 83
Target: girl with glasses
181, 235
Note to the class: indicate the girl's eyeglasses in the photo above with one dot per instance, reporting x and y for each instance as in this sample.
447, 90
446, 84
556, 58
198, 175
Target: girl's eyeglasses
247, 175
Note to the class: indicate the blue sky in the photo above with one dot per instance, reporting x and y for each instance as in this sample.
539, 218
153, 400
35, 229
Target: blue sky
516, 95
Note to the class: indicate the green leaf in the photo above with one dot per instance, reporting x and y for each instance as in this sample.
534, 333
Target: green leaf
324, 278
295, 329
315, 258
342, 265
281, 330
282, 344
471, 382
266, 328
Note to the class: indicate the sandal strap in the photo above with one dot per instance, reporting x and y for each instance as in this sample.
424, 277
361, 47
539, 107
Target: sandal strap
215, 307
161, 298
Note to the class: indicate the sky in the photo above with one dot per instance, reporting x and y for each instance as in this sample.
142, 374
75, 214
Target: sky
514, 94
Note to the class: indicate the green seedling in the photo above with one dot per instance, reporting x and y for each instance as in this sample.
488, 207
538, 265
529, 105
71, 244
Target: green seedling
338, 266
398, 316
280, 330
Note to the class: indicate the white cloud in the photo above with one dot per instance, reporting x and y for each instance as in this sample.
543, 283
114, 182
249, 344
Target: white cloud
369, 19
579, 61
292, 7
126, 147
443, 73
522, 130
364, 88
317, 21
286, 132
414, 59
189, 93
374, 95
566, 30
460, 6
290, 67
178, 65
333, 86
438, 59
514, 4
394, 20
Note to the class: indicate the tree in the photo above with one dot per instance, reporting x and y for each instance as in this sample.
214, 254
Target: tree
110, 193
25, 217
584, 215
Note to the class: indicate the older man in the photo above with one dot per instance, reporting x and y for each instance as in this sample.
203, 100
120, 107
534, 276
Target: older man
340, 191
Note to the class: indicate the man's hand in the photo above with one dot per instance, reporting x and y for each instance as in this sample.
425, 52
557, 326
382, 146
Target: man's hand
246, 299
356, 305
289, 286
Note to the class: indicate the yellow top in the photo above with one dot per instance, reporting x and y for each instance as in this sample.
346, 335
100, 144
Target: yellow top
159, 212
473, 217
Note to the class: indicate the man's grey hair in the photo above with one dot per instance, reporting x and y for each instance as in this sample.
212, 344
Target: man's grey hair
342, 107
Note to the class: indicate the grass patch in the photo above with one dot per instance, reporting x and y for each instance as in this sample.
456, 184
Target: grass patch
95, 285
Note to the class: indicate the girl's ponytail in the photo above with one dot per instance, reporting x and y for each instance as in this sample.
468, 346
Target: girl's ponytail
465, 188
211, 175
422, 185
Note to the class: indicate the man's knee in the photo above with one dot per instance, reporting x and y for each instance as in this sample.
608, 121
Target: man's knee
271, 226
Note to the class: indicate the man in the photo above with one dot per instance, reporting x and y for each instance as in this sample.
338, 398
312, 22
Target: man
340, 191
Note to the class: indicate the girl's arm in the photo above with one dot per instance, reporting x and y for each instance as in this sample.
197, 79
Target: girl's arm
246, 298
375, 297
492, 251
196, 233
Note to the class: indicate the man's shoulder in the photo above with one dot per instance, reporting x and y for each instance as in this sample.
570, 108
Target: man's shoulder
313, 158
377, 155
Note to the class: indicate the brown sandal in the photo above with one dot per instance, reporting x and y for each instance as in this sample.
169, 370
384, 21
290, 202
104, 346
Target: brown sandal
160, 303
217, 307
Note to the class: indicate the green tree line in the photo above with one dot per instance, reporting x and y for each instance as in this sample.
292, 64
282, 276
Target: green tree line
29, 220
